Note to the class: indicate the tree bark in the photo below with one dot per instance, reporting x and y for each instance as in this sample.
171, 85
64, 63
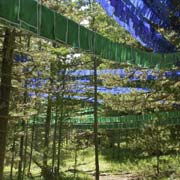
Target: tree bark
22, 154
25, 150
45, 170
60, 123
5, 89
21, 151
47, 132
32, 145
13, 154
48, 125
54, 141
96, 121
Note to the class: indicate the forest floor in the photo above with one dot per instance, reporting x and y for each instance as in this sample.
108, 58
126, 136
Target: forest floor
129, 165
120, 177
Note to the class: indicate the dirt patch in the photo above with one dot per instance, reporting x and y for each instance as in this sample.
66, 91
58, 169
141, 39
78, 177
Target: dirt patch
120, 177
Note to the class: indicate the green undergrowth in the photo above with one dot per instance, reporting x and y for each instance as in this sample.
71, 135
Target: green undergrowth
64, 176
114, 161
125, 161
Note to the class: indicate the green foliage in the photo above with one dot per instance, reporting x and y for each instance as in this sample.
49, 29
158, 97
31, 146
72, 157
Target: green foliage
61, 51
132, 152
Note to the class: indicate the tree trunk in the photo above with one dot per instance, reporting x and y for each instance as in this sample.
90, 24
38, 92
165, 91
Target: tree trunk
96, 121
13, 153
5, 89
22, 142
25, 150
119, 143
75, 159
46, 170
21, 151
54, 142
47, 132
32, 145
60, 123
59, 143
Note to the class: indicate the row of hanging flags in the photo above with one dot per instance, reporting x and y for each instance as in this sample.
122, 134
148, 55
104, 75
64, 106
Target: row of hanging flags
139, 17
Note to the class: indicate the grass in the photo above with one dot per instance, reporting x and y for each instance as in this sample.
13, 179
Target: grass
126, 161
116, 161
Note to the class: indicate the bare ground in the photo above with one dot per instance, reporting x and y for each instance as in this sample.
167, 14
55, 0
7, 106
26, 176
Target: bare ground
120, 177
